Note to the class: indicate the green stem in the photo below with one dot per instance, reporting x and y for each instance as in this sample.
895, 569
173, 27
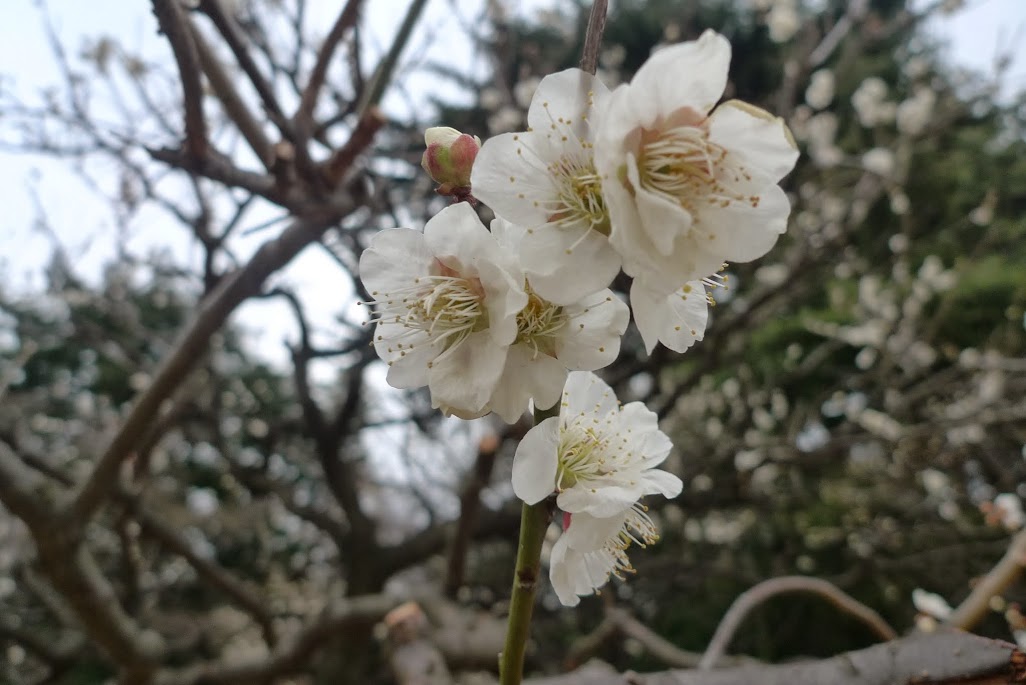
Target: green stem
534, 521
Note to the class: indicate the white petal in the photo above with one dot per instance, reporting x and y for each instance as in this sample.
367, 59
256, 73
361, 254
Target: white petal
504, 298
649, 444
609, 500
662, 220
564, 264
394, 258
591, 339
564, 573
677, 320
536, 461
407, 366
589, 533
507, 234
659, 482
740, 232
567, 96
458, 238
691, 74
511, 177
528, 375
758, 137
464, 377
585, 393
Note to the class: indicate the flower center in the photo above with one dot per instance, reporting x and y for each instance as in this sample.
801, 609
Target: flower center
580, 192
581, 456
538, 323
683, 165
446, 306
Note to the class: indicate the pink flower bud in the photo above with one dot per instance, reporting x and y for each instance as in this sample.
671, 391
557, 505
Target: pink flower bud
449, 158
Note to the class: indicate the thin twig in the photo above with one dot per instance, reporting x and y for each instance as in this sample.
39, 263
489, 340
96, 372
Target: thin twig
974, 607
593, 36
755, 596
347, 18
175, 25
383, 74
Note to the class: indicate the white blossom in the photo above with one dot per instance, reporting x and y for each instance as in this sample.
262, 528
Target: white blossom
545, 180
915, 113
931, 604
879, 161
870, 103
591, 549
689, 187
783, 21
677, 320
552, 339
446, 303
821, 89
599, 456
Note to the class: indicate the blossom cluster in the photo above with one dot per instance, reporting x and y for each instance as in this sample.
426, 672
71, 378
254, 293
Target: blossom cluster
652, 179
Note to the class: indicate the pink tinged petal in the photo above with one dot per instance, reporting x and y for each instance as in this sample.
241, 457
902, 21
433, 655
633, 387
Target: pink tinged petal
691, 74
464, 377
589, 533
742, 232
662, 220
761, 140
591, 338
586, 393
536, 461
528, 375
511, 176
564, 264
394, 259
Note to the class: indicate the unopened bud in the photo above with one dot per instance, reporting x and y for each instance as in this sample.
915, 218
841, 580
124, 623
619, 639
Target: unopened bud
449, 158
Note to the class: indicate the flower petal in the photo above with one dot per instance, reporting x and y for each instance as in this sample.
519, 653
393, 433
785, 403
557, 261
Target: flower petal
585, 393
677, 320
564, 264
395, 257
762, 140
512, 178
657, 87
464, 377
528, 375
591, 338
535, 462
741, 232
589, 533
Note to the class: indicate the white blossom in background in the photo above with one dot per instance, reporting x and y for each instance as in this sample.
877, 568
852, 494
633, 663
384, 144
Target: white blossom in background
553, 339
446, 303
783, 21
545, 180
1008, 511
871, 104
820, 92
931, 604
879, 161
689, 187
599, 456
821, 133
914, 114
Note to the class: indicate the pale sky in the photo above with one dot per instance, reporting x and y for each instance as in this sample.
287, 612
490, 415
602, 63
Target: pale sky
85, 226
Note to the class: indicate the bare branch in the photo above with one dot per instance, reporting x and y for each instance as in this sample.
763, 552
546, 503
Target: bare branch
974, 607
347, 18
175, 25
755, 596
213, 312
593, 36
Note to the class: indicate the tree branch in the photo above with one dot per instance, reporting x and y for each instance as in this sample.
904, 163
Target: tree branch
974, 607
213, 312
176, 26
593, 36
347, 18
755, 596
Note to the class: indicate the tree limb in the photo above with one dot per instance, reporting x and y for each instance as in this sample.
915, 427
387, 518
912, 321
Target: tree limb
755, 596
175, 25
